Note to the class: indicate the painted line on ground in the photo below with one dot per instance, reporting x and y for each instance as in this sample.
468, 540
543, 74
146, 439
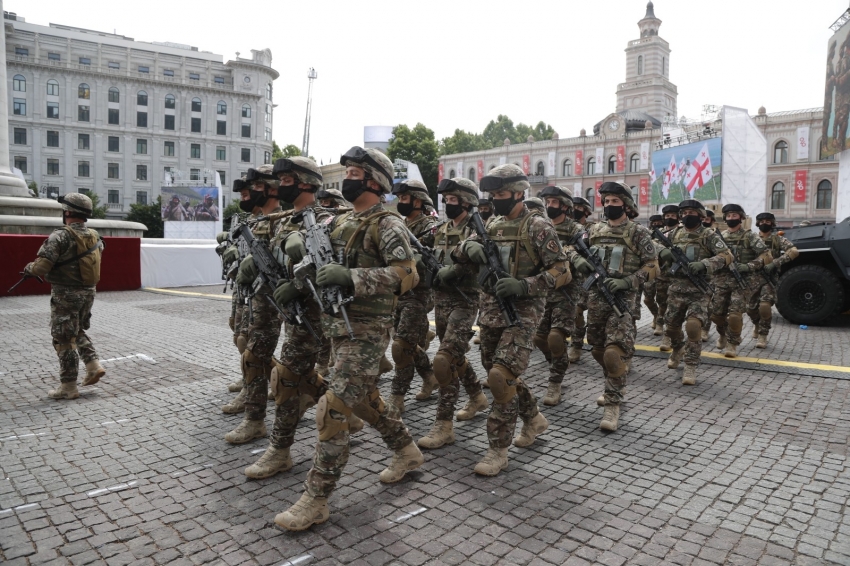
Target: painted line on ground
18, 437
761, 361
119, 487
18, 508
119, 421
303, 559
407, 516
222, 297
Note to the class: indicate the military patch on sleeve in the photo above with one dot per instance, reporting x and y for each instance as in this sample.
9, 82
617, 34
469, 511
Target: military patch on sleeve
649, 248
400, 253
552, 246
719, 244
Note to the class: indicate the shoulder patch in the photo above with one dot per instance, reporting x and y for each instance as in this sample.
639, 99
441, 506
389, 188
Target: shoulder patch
400, 253
649, 247
552, 246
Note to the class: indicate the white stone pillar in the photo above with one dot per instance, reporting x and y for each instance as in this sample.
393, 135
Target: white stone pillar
10, 185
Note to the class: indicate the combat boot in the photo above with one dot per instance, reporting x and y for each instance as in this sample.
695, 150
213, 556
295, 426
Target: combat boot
689, 376
721, 342
429, 383
666, 344
476, 339
704, 335
762, 343
654, 323
237, 405
601, 399
531, 430
659, 329
385, 365
429, 337
94, 371
235, 387
272, 461
675, 358
472, 407
610, 418
731, 351
306, 512
67, 390
404, 460
574, 354
553, 394
355, 423
493, 462
441, 433
247, 431
398, 402
755, 331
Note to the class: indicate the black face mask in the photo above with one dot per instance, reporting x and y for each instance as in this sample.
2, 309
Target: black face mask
353, 188
454, 210
690, 221
656, 226
707, 224
288, 193
614, 212
578, 215
257, 200
405, 208
733, 223
504, 206
765, 228
485, 215
670, 222
554, 212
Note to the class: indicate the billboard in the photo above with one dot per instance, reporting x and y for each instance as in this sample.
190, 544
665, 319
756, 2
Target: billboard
687, 171
836, 100
182, 204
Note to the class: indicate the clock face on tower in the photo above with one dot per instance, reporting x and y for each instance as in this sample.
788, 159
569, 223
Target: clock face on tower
614, 125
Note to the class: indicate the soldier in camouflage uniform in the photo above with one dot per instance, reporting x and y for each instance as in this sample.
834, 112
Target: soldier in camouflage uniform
670, 218
264, 320
730, 301
379, 268
410, 318
70, 261
331, 199
558, 321
629, 256
535, 262
649, 288
709, 223
534, 203
456, 309
581, 214
761, 304
485, 209
686, 302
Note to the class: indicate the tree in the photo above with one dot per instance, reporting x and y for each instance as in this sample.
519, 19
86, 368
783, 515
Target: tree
497, 130
290, 150
462, 142
229, 211
150, 215
33, 186
97, 211
419, 146
276, 153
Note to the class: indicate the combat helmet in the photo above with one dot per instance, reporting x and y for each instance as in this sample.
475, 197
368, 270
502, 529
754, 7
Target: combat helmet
734, 208
507, 177
534, 203
262, 173
76, 203
624, 192
693, 204
414, 188
377, 166
335, 194
464, 189
304, 169
558, 192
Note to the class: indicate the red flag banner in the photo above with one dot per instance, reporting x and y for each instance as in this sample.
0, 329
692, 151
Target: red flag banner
596, 194
526, 164
439, 172
644, 192
480, 169
579, 162
801, 179
621, 158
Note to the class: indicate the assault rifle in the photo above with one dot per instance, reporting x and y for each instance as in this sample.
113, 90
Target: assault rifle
681, 261
320, 253
24, 277
599, 275
493, 270
228, 271
432, 265
733, 267
271, 273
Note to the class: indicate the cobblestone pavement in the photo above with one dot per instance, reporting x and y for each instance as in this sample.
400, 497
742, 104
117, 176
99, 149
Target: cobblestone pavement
747, 467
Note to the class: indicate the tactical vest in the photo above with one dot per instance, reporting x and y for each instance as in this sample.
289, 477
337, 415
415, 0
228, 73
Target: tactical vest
422, 227
694, 244
740, 243
448, 238
566, 231
774, 244
615, 246
511, 236
80, 263
347, 237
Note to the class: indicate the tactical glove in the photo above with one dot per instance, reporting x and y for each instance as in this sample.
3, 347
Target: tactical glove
475, 252
420, 267
582, 265
613, 285
230, 255
247, 272
222, 236
294, 247
447, 275
510, 287
770, 268
285, 292
744, 268
334, 274
696, 267
666, 256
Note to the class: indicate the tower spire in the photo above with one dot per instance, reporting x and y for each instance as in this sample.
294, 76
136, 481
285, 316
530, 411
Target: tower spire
650, 10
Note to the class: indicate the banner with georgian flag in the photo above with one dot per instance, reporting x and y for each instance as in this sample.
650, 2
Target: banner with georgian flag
801, 180
687, 171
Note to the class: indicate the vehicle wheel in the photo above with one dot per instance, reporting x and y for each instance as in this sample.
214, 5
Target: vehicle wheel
809, 294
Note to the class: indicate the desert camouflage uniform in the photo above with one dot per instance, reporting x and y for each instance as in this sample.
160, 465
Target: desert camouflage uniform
662, 283
765, 293
577, 339
239, 313
378, 253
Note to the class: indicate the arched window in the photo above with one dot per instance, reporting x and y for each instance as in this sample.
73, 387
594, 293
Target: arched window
196, 104
591, 165
780, 152
221, 108
246, 111
590, 195
83, 91
471, 174
142, 98
541, 169
612, 164
634, 163
451, 173
777, 196
170, 101
568, 168
824, 196
640, 64
53, 87
19, 83
269, 91
114, 94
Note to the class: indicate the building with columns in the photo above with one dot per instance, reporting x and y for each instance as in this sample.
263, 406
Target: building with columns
645, 112
102, 113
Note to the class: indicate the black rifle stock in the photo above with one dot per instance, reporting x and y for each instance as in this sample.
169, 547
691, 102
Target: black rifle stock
733, 267
493, 270
599, 275
432, 265
24, 277
681, 261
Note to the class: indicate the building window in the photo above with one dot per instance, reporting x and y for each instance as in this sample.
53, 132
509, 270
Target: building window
591, 165
540, 169
83, 91
780, 152
268, 134
112, 116
169, 122
52, 88
21, 163
141, 172
168, 73
612, 164
590, 196
52, 166
268, 112
144, 69
141, 119
634, 163
269, 91
221, 108
218, 80
85, 61
777, 196
22, 52
222, 177
824, 196
568, 168
19, 107
246, 130
84, 191
451, 173
141, 98
114, 95
220, 153
246, 155
267, 157
664, 66
640, 64
112, 143
170, 103
20, 136
246, 111
112, 196
19, 83
142, 147
54, 57
52, 138
196, 105
221, 127
194, 174
114, 65
168, 149
82, 113
195, 151
194, 77
83, 141
196, 125
53, 110
142, 197
83, 169
112, 171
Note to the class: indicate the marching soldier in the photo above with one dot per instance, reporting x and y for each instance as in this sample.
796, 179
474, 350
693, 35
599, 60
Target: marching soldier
70, 261
708, 222
649, 288
331, 199
534, 203
670, 217
581, 214
485, 209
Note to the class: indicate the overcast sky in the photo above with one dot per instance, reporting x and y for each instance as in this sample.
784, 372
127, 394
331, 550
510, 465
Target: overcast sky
458, 64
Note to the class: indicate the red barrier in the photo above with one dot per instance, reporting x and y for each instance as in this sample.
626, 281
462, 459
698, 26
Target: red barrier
120, 271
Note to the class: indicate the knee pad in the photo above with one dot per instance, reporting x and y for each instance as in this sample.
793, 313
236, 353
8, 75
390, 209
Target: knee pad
444, 367
597, 354
372, 408
65, 346
693, 328
736, 323
283, 383
252, 366
557, 342
241, 343
612, 359
311, 385
765, 311
402, 351
502, 383
231, 322
328, 426
541, 342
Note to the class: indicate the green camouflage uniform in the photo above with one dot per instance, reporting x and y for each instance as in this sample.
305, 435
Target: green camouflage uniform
577, 338
239, 313
779, 247
662, 283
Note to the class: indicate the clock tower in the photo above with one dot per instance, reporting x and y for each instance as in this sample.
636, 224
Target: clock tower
648, 88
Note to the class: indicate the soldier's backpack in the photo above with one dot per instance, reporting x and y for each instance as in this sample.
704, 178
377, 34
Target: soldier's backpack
88, 255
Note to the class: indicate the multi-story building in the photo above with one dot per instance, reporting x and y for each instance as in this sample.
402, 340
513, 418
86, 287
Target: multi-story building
102, 113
